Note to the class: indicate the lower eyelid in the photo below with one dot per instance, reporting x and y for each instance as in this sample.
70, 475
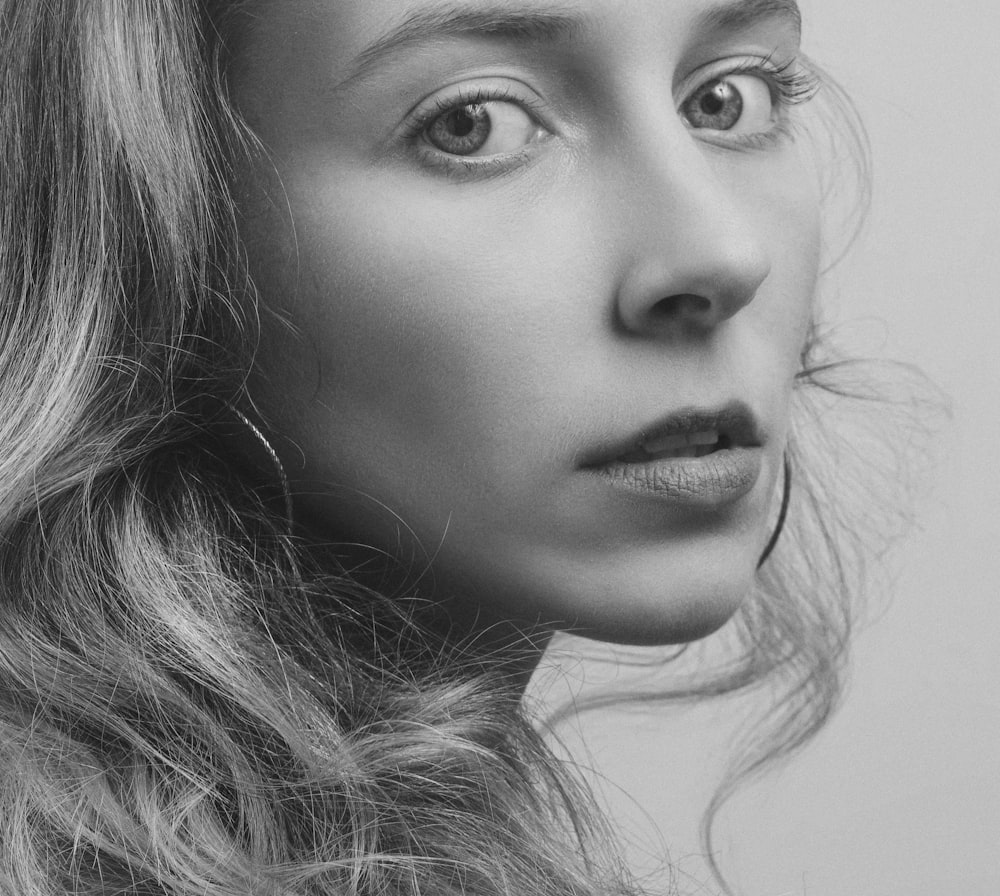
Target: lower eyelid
782, 131
468, 168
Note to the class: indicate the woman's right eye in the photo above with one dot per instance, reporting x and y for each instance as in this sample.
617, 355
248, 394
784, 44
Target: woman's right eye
485, 128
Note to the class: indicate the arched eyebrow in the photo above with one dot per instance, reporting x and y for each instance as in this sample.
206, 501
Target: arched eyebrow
451, 20
743, 13
548, 25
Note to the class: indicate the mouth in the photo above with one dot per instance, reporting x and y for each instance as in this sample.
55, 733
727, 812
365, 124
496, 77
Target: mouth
695, 456
681, 445
690, 433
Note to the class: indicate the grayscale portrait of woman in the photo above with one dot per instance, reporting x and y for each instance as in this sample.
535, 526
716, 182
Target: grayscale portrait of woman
456, 448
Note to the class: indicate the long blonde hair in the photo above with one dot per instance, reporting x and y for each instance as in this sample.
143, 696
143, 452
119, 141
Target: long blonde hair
192, 701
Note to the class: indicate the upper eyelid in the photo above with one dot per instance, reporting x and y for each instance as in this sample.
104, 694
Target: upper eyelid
738, 63
467, 93
766, 66
485, 91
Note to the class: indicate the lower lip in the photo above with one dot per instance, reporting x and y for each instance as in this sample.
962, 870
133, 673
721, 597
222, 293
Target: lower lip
711, 481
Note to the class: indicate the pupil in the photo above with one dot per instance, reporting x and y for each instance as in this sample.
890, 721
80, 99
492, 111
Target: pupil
714, 101
462, 123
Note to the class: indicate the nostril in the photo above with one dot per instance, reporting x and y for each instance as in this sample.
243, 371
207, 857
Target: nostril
684, 305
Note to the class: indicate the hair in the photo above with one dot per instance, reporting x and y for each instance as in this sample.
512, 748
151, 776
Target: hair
192, 700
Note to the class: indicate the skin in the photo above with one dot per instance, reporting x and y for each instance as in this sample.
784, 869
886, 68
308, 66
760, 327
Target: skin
442, 349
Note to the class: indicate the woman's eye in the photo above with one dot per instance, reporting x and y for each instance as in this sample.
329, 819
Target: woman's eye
741, 103
482, 129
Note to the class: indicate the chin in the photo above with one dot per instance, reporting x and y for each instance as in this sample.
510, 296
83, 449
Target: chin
659, 605
683, 621
666, 591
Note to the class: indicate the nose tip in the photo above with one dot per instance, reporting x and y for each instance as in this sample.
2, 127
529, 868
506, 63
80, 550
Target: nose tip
689, 289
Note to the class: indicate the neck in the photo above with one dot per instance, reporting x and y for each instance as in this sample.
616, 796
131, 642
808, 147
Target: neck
470, 633
505, 648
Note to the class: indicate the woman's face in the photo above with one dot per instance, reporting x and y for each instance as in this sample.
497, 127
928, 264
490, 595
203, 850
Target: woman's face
536, 276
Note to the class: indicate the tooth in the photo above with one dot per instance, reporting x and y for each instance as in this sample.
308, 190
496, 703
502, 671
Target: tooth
665, 443
679, 441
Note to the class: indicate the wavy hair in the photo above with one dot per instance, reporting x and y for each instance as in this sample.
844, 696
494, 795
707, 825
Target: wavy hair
191, 701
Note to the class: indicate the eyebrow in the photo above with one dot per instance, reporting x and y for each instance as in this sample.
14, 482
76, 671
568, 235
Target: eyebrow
743, 13
503, 22
499, 22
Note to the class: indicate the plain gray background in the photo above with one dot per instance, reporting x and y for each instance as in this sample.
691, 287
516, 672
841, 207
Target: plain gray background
900, 795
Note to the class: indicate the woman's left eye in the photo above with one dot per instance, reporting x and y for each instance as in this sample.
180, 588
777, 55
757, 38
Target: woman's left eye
487, 128
737, 103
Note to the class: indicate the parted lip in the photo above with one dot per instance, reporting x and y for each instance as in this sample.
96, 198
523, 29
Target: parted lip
735, 424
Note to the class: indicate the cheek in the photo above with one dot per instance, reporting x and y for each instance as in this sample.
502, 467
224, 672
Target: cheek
421, 346
411, 317
786, 205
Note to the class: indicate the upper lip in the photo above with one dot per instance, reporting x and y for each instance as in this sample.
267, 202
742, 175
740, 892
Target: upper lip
734, 422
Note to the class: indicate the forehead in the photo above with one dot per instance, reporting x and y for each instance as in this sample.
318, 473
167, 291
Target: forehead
357, 33
376, 13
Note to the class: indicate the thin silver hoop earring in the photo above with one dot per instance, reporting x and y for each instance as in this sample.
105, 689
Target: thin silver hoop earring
286, 491
786, 494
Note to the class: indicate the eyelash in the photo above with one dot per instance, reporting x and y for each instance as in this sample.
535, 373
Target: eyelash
458, 165
791, 83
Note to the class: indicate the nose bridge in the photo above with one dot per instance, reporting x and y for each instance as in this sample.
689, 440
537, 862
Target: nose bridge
692, 253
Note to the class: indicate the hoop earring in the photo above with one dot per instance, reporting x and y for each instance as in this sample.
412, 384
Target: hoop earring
286, 491
786, 494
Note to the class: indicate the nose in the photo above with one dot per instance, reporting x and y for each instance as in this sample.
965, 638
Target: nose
693, 260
